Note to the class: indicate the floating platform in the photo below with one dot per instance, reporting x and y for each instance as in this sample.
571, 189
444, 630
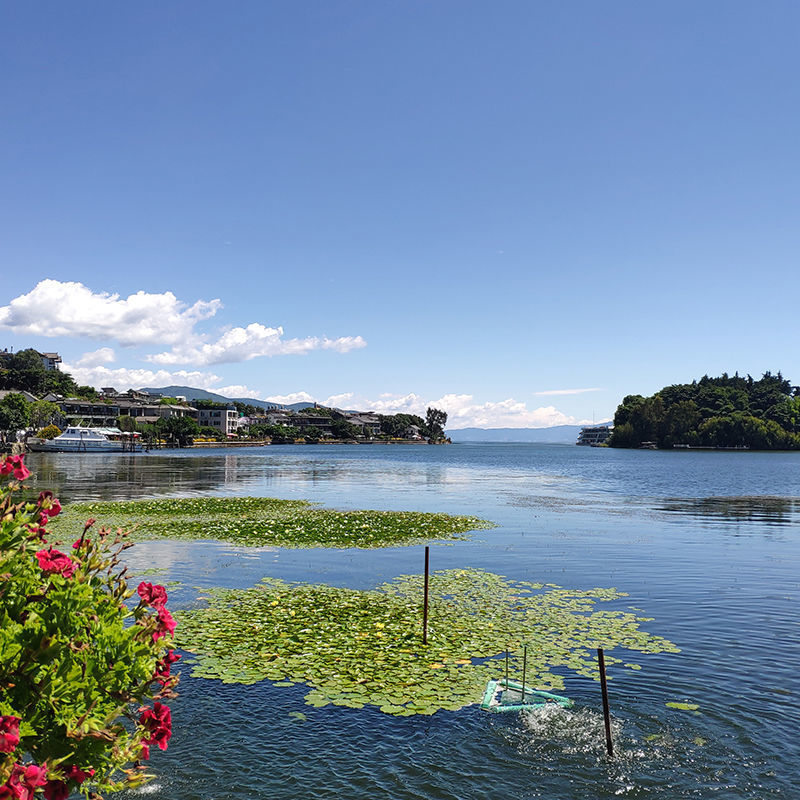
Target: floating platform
502, 695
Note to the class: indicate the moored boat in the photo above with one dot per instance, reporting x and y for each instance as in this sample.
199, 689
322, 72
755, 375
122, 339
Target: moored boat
88, 440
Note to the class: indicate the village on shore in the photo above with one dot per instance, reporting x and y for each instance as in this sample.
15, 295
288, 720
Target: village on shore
38, 399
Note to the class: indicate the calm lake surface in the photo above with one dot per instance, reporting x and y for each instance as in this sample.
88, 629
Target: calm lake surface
706, 543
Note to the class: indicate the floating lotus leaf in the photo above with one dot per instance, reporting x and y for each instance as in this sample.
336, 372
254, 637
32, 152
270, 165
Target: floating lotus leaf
356, 648
262, 521
683, 706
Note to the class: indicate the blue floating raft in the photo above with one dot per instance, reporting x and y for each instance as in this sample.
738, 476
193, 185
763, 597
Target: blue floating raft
502, 695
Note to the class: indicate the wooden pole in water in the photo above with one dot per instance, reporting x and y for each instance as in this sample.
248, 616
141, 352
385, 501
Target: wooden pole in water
524, 667
506, 666
601, 663
425, 601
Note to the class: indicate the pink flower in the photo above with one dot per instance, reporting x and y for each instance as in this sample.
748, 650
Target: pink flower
158, 723
54, 561
79, 775
165, 624
14, 464
152, 595
49, 504
24, 780
9, 732
38, 530
163, 667
56, 790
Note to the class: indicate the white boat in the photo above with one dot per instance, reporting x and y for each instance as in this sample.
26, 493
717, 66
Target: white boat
88, 440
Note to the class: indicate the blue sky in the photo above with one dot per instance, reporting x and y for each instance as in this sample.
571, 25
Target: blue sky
517, 211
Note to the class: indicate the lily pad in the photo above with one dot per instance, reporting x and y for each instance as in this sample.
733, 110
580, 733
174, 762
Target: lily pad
263, 521
682, 706
325, 637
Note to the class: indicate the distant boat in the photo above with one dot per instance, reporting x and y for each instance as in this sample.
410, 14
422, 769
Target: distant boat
88, 440
594, 436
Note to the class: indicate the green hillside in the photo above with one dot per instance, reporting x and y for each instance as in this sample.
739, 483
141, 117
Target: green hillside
713, 412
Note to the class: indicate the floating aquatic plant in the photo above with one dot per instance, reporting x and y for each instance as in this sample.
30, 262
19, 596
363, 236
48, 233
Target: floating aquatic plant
260, 521
354, 648
683, 706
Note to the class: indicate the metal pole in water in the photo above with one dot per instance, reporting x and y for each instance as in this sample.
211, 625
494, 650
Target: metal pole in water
506, 667
524, 667
601, 663
425, 601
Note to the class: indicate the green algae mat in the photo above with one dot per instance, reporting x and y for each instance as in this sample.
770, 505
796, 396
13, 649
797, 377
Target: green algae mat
356, 648
265, 521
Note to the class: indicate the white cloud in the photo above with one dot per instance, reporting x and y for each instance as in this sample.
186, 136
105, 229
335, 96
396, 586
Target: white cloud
124, 378
287, 399
462, 410
565, 391
105, 355
70, 309
242, 344
339, 400
238, 390
67, 308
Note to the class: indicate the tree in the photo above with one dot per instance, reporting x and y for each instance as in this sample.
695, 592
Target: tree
26, 372
727, 411
342, 429
435, 420
180, 429
312, 433
14, 413
78, 667
43, 413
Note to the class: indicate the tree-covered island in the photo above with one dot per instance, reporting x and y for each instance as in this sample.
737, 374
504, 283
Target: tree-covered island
729, 411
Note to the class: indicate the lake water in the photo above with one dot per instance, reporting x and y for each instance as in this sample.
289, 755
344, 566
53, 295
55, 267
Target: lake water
707, 543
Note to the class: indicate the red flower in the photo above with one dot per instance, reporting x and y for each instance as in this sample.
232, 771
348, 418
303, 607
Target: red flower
163, 667
9, 732
152, 595
14, 464
38, 530
54, 561
49, 504
165, 624
158, 722
24, 780
144, 754
79, 775
56, 790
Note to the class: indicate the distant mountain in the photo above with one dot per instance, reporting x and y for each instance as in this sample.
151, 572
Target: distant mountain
191, 393
559, 434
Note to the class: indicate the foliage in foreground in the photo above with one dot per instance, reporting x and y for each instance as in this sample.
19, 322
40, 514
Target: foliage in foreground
74, 674
713, 412
354, 648
261, 521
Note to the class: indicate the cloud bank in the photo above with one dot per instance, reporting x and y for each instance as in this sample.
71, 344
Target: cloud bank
69, 309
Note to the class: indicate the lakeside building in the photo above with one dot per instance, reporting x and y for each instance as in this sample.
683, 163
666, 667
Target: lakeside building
594, 435
225, 420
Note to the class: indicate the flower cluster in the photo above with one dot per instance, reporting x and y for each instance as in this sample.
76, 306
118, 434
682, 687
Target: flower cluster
55, 562
13, 465
155, 596
158, 723
63, 614
26, 779
9, 733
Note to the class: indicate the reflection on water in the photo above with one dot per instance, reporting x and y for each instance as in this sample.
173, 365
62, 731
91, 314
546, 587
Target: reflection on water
767, 510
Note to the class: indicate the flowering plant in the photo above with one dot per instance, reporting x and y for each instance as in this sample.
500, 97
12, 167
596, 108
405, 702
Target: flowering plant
78, 667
